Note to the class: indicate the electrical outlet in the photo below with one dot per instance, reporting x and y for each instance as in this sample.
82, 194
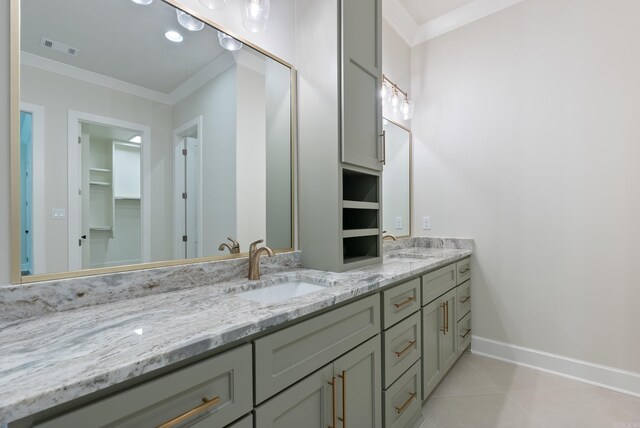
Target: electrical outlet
398, 222
58, 213
426, 223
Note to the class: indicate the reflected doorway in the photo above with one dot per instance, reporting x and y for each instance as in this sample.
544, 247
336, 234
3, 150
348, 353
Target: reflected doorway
187, 208
26, 193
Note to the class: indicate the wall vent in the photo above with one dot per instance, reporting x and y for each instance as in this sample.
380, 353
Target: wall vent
60, 47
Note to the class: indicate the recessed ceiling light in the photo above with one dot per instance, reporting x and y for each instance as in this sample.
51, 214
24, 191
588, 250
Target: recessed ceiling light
228, 42
136, 139
143, 2
189, 22
174, 36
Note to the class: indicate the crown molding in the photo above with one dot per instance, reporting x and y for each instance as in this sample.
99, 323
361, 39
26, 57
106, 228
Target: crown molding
459, 17
398, 17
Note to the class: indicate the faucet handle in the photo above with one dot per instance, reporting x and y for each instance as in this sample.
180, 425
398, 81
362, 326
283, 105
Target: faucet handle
254, 245
235, 243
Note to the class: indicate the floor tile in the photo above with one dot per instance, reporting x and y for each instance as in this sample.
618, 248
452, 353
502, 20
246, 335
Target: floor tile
465, 379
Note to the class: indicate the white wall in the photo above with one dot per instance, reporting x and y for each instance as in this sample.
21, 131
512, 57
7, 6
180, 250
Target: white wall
396, 65
57, 94
216, 102
526, 138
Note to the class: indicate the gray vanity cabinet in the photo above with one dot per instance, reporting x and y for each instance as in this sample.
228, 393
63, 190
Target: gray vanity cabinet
439, 340
361, 75
345, 392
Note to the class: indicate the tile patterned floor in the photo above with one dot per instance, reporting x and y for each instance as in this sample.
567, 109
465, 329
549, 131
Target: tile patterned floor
481, 392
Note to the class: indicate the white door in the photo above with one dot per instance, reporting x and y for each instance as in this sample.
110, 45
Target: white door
84, 194
187, 176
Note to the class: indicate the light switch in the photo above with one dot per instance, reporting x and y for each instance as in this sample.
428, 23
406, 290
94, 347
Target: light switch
58, 213
398, 222
426, 223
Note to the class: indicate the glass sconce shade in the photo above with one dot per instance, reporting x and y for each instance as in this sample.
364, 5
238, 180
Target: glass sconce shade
395, 101
214, 4
188, 21
256, 15
407, 109
228, 42
143, 2
385, 93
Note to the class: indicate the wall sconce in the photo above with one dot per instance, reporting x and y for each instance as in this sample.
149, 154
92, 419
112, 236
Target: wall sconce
399, 99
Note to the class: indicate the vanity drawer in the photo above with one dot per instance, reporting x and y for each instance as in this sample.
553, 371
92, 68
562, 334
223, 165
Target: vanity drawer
402, 401
225, 379
400, 301
286, 356
463, 270
463, 299
436, 283
402, 345
243, 423
464, 333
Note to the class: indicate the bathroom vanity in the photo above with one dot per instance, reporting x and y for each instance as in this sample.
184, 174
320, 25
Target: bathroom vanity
353, 350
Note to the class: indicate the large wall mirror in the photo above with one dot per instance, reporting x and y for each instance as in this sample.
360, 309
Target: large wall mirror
145, 135
396, 180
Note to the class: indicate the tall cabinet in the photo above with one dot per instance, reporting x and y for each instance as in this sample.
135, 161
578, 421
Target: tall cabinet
338, 55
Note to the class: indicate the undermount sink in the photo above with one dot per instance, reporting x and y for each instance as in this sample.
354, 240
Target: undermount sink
279, 292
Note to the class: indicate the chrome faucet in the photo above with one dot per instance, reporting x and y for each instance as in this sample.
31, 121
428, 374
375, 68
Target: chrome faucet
234, 248
388, 237
254, 258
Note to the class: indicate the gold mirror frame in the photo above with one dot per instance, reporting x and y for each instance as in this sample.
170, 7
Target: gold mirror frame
410, 175
14, 130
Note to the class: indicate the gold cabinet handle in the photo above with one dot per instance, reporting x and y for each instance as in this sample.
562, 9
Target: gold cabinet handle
406, 404
466, 333
343, 419
207, 404
333, 400
411, 345
404, 303
465, 300
444, 318
465, 270
384, 147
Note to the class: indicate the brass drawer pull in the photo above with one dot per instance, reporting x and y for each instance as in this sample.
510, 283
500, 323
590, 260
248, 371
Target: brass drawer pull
411, 345
384, 148
444, 318
343, 419
333, 399
207, 404
465, 270
406, 404
466, 333
465, 300
404, 303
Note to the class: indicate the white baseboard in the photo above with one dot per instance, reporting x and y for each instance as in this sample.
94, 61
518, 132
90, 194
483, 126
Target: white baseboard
595, 374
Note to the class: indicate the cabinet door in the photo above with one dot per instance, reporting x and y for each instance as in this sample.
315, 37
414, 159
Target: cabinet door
432, 323
308, 404
361, 75
360, 391
449, 337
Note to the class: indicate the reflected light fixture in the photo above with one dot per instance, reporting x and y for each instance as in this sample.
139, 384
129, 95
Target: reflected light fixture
188, 21
143, 2
174, 36
399, 99
256, 14
228, 42
213, 4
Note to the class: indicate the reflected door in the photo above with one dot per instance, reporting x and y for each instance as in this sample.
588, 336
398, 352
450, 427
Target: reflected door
188, 175
26, 214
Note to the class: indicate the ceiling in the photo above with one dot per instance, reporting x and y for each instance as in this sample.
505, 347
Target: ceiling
423, 11
119, 39
102, 132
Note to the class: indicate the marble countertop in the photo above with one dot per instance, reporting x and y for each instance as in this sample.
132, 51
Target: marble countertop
58, 357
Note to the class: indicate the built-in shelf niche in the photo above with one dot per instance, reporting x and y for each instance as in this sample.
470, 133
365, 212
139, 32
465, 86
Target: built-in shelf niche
360, 217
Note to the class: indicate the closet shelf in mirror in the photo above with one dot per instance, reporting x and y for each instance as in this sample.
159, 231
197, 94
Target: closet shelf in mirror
355, 233
99, 170
99, 183
361, 205
101, 228
126, 198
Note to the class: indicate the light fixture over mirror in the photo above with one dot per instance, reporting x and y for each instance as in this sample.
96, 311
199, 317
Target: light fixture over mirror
256, 15
390, 93
188, 21
213, 4
228, 42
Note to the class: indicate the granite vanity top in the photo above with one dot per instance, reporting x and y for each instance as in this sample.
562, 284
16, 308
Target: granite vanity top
57, 357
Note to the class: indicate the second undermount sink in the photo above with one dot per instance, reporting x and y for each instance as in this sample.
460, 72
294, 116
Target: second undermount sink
279, 292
